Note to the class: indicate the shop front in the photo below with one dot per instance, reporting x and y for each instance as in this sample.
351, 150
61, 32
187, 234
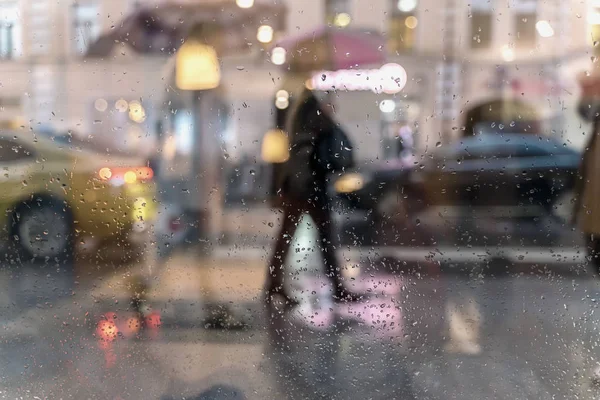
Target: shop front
515, 99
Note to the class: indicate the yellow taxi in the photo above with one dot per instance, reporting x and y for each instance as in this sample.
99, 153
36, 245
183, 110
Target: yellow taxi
52, 192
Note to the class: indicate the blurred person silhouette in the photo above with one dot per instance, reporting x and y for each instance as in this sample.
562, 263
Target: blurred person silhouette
587, 186
318, 147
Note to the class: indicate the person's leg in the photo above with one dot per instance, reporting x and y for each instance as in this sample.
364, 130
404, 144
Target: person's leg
593, 244
275, 273
322, 219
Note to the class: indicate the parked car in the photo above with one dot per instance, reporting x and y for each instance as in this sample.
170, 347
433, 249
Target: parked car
52, 192
513, 172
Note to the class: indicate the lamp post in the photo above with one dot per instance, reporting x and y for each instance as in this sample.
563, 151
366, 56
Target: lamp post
197, 71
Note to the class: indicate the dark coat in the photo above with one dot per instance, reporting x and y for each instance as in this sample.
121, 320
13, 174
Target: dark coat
308, 123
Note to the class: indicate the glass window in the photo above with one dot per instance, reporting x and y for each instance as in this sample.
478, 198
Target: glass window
86, 26
323, 219
481, 29
402, 25
525, 31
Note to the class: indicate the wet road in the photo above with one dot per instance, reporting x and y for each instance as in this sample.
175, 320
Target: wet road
427, 334
433, 327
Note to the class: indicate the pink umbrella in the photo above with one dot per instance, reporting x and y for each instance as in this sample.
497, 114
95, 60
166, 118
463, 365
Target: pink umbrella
330, 48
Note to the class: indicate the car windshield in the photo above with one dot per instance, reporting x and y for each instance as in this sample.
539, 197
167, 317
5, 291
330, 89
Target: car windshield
299, 199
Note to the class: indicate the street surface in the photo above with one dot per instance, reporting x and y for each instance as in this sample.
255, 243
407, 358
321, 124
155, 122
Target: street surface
440, 321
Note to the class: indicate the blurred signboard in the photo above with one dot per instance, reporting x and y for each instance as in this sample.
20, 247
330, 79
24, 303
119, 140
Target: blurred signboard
389, 79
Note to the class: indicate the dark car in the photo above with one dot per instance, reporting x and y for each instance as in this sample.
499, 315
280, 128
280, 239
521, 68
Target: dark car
518, 174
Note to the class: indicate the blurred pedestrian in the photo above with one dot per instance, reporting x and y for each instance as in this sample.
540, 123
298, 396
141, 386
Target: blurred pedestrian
587, 187
303, 189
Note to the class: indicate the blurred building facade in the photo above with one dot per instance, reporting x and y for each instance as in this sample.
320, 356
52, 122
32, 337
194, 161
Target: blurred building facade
457, 54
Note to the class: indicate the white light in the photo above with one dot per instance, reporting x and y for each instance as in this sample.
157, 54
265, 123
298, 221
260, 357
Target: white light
407, 6
244, 3
264, 34
594, 18
387, 106
342, 20
282, 94
278, 56
121, 105
508, 54
282, 103
544, 29
101, 105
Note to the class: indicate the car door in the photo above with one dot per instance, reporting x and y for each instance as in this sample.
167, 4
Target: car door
459, 175
17, 162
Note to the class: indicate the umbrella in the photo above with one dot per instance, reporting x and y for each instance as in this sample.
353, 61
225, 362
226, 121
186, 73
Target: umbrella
330, 48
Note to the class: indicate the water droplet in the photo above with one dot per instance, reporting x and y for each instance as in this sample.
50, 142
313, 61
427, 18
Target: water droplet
240, 68
438, 144
323, 77
252, 172
24, 183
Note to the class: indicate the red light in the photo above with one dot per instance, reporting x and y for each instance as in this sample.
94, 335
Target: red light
107, 328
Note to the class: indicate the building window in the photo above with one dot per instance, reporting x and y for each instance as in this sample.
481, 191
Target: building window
594, 28
402, 25
10, 44
337, 13
525, 6
525, 32
86, 26
481, 24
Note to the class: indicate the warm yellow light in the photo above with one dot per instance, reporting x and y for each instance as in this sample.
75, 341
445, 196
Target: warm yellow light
275, 147
137, 112
278, 56
121, 105
342, 20
308, 84
508, 53
349, 183
130, 177
105, 173
411, 22
197, 67
244, 3
264, 34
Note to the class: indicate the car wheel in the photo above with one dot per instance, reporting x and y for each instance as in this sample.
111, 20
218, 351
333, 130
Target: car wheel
42, 228
562, 207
